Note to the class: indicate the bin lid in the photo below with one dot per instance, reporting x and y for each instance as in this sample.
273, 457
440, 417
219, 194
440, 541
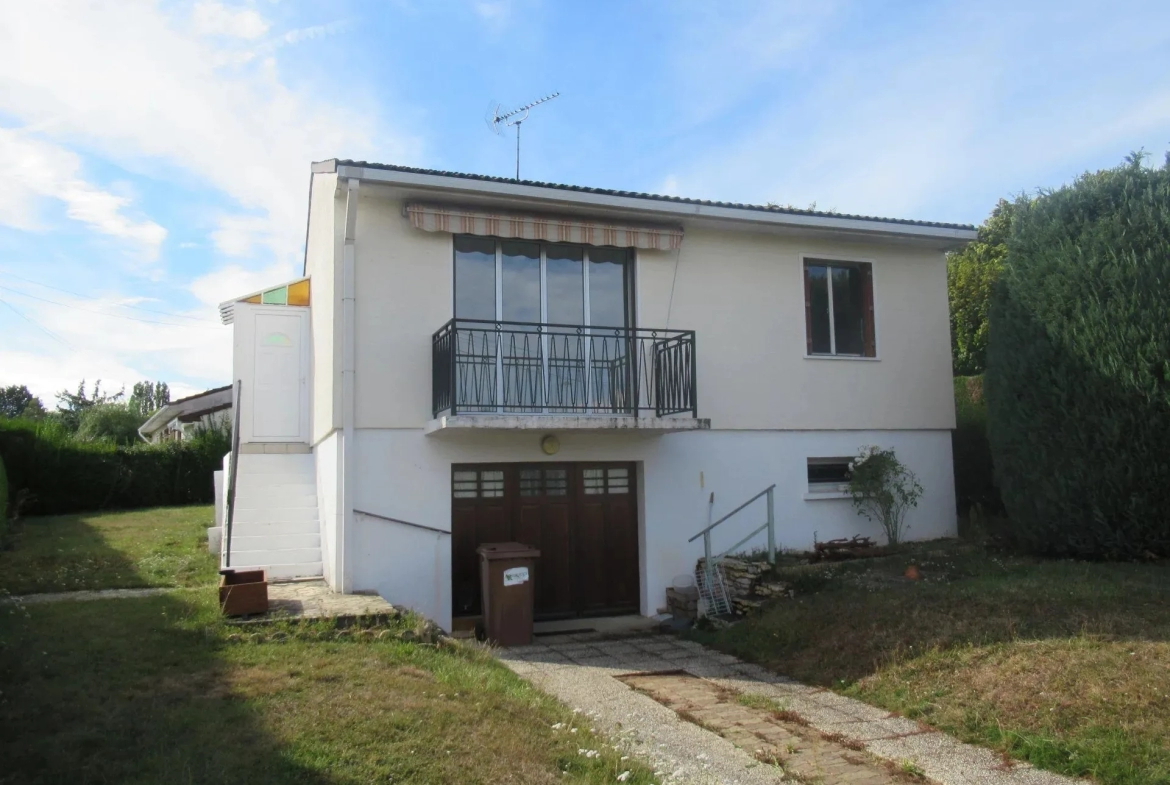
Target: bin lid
507, 550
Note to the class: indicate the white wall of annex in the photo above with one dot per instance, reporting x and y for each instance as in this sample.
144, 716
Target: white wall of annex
406, 475
742, 292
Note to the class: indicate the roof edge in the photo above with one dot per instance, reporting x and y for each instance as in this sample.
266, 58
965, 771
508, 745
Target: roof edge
674, 206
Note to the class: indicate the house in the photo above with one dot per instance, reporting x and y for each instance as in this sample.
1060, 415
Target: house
180, 419
470, 359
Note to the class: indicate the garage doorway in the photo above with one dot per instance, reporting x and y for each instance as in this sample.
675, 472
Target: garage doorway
582, 517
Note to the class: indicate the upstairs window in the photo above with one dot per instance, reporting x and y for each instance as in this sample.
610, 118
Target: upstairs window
838, 308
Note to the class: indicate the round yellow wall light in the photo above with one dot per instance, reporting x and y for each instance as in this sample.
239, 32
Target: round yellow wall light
550, 444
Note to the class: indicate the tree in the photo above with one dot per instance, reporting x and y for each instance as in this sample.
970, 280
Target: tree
71, 405
16, 400
971, 274
148, 397
1078, 367
113, 422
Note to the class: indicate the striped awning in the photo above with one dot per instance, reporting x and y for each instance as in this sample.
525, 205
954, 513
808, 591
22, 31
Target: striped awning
434, 218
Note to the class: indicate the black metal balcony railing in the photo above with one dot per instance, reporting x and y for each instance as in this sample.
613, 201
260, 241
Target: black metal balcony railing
483, 366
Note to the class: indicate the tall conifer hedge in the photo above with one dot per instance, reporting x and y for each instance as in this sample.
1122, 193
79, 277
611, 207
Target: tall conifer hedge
1078, 367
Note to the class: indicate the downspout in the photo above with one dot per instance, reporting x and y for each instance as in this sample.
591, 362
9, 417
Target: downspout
345, 495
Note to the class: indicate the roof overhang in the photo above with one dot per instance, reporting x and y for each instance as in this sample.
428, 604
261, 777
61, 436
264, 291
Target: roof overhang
217, 399
454, 185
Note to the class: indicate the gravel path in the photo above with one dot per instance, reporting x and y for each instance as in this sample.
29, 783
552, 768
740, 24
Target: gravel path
581, 672
85, 596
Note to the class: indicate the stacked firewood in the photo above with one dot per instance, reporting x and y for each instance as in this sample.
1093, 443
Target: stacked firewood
856, 547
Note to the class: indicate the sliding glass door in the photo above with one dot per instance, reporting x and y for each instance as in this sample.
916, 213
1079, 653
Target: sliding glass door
543, 327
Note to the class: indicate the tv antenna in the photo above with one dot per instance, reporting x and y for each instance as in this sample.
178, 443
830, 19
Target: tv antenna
515, 118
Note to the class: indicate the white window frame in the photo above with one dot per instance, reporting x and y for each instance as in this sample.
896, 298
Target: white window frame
828, 259
825, 490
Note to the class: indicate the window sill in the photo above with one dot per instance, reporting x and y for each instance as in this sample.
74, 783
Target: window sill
820, 496
841, 357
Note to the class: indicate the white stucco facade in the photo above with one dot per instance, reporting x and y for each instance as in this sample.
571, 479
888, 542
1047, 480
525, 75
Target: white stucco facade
381, 288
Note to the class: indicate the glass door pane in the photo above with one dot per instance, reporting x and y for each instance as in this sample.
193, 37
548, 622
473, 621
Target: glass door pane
522, 351
476, 371
565, 346
611, 367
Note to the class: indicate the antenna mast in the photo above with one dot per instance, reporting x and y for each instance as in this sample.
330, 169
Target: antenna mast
515, 118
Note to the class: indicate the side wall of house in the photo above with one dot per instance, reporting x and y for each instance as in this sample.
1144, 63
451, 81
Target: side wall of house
327, 461
321, 251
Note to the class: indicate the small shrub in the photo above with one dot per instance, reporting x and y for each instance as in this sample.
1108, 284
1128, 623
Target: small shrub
883, 490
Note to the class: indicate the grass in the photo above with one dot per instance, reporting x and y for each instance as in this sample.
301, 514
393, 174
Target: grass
166, 546
1063, 664
159, 689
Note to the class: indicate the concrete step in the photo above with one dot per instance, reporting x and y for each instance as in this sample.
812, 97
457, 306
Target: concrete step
277, 480
259, 529
268, 464
253, 498
281, 556
274, 514
242, 543
283, 571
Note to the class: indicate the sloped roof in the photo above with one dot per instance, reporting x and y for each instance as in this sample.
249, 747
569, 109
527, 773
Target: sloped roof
764, 208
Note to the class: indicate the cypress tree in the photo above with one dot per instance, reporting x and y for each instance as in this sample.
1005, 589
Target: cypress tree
1078, 367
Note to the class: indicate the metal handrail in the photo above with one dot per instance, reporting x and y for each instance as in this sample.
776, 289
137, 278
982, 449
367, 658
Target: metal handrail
232, 472
770, 525
404, 523
767, 490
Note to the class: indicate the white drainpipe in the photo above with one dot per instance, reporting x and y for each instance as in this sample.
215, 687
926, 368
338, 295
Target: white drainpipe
345, 518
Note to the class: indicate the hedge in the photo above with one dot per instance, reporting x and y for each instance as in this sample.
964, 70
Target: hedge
62, 474
974, 473
3, 503
1078, 367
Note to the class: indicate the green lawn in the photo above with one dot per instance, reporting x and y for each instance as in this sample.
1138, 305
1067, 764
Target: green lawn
159, 689
166, 546
1063, 664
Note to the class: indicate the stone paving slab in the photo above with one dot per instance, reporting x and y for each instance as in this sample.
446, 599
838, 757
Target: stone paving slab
315, 600
683, 752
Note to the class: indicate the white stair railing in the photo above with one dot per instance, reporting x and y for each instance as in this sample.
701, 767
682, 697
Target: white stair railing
709, 578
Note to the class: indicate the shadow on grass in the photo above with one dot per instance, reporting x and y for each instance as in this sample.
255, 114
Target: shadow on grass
127, 691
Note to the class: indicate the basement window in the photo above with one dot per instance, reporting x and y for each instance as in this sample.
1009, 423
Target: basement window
829, 475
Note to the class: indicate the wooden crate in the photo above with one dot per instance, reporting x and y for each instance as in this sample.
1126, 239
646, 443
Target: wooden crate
243, 592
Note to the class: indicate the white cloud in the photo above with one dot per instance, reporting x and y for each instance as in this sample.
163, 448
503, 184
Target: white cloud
316, 31
495, 12
127, 81
37, 170
212, 18
235, 281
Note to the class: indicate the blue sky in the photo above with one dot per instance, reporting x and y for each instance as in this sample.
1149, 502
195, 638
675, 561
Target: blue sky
156, 155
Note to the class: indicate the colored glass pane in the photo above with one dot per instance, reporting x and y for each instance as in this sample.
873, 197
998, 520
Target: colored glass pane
253, 299
298, 293
276, 296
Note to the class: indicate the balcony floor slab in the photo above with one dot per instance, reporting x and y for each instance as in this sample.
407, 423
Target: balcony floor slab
594, 423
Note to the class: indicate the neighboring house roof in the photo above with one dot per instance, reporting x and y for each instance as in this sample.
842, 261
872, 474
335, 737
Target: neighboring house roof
406, 175
193, 406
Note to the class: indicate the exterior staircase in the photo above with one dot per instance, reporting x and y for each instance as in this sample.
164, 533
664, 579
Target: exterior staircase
275, 524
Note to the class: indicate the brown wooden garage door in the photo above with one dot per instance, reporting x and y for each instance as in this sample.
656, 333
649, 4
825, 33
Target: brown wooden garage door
582, 517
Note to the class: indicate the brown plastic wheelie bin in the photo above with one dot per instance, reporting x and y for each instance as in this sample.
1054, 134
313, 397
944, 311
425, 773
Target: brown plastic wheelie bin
506, 573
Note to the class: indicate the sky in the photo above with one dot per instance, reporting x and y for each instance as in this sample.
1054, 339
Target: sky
155, 155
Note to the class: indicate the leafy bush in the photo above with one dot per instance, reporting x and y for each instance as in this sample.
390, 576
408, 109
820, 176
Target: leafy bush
63, 474
1078, 376
971, 274
115, 422
974, 471
883, 490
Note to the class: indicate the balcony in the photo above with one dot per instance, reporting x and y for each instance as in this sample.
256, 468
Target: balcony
493, 374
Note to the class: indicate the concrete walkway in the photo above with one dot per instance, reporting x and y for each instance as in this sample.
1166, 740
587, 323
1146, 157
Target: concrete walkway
583, 672
86, 596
